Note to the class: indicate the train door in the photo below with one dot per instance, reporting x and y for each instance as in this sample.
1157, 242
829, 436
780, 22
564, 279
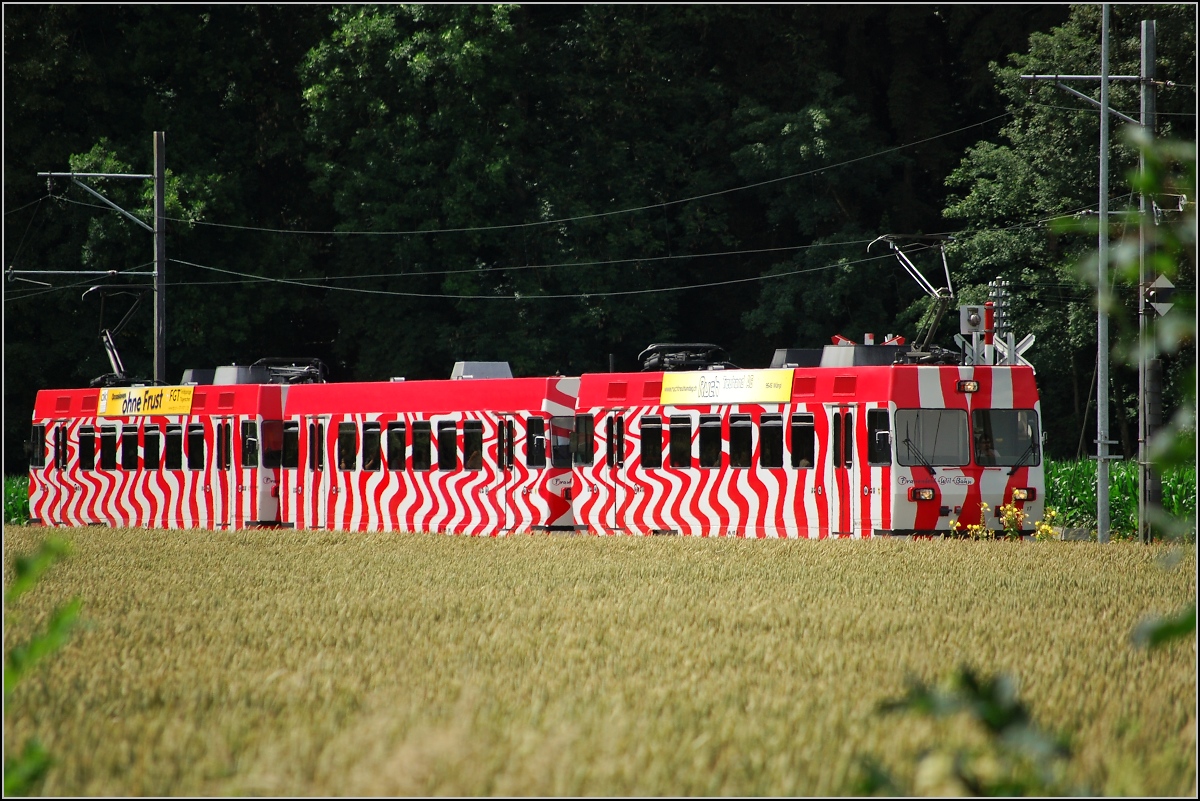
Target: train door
843, 498
226, 497
316, 477
58, 482
505, 483
614, 466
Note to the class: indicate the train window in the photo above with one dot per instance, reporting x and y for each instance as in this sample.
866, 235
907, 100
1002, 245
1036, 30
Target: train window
37, 447
804, 441
289, 444
397, 443
250, 443
271, 444
741, 440
879, 439
681, 441
710, 440
129, 448
150, 448
770, 433
1006, 437
316, 446
447, 445
371, 458
583, 439
848, 444
87, 448
108, 447
174, 454
473, 445
931, 437
347, 446
195, 446
60, 447
224, 445
506, 432
422, 453
535, 442
651, 442
562, 440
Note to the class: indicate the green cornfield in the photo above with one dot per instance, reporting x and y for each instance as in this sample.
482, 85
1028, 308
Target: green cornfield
325, 663
1071, 490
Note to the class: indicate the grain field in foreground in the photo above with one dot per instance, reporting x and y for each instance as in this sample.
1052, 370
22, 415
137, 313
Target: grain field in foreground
317, 663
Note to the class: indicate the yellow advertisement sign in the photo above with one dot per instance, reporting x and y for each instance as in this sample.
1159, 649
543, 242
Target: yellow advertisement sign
131, 401
726, 386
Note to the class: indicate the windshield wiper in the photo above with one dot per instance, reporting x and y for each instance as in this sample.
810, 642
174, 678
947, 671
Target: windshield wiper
1032, 449
920, 456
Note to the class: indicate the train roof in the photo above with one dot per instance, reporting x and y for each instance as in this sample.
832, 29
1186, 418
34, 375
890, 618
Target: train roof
554, 393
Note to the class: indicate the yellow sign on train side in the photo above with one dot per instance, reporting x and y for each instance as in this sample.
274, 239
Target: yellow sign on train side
725, 387
133, 401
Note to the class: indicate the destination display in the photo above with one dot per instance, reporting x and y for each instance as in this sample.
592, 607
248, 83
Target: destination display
726, 387
132, 401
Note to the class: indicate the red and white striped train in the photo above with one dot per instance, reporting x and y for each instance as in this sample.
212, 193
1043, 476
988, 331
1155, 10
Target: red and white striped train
851, 441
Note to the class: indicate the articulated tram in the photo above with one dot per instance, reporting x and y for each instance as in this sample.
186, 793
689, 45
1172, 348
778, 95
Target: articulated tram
853, 440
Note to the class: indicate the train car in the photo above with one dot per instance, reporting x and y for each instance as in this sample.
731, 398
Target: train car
856, 446
477, 456
185, 456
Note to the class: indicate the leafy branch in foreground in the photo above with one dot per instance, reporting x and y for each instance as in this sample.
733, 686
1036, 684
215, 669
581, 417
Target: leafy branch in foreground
1018, 759
21, 772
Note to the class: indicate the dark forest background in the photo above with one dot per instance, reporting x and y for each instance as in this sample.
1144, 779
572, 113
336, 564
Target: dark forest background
396, 188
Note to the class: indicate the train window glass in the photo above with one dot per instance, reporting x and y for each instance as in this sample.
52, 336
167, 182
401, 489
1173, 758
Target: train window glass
271, 444
837, 439
37, 447
108, 447
371, 458
422, 458
347, 446
174, 454
535, 442
60, 447
879, 441
224, 445
397, 443
583, 440
473, 444
770, 434
195, 446
1006, 437
741, 440
848, 445
935, 437
447, 445
249, 444
289, 444
129, 448
151, 448
681, 441
804, 441
87, 448
562, 438
652, 442
316, 446
710, 440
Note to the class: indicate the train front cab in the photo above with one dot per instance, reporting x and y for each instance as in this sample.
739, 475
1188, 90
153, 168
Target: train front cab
191, 459
965, 438
482, 457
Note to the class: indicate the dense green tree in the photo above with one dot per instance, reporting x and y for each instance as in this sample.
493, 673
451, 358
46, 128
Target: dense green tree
1007, 194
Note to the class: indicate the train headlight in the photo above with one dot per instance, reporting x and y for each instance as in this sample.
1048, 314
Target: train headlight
968, 386
920, 494
1025, 494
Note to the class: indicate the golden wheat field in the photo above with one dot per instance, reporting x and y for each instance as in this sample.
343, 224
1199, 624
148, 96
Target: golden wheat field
320, 663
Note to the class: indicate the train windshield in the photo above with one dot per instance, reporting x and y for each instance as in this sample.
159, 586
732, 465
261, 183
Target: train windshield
932, 437
1006, 437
